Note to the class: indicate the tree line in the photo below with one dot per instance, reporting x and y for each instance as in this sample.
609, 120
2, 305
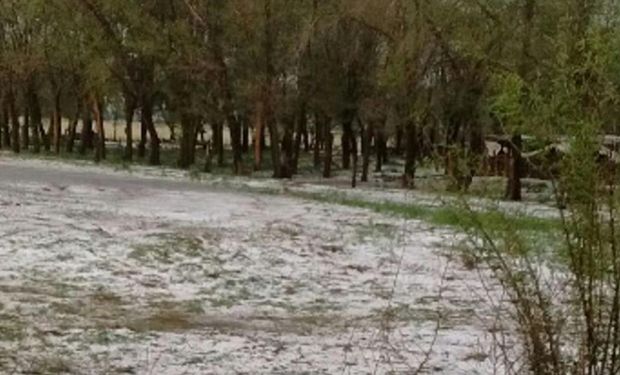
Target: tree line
414, 79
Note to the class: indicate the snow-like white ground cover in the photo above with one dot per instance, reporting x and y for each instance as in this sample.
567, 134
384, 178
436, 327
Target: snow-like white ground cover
317, 186
105, 273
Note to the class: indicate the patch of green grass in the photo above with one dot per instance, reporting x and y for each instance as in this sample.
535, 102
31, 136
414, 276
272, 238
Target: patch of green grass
223, 301
446, 216
51, 365
12, 328
168, 247
372, 230
195, 173
163, 320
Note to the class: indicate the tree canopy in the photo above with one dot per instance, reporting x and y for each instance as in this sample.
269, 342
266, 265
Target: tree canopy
411, 78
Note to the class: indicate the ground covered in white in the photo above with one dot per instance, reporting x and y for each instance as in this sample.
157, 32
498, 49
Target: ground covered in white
106, 273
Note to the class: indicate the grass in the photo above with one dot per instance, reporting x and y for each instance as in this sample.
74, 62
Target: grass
164, 320
167, 247
459, 217
12, 328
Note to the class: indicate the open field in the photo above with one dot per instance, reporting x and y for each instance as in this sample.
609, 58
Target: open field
115, 273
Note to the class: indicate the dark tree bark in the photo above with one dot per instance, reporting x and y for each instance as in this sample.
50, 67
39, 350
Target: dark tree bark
57, 122
147, 120
380, 149
246, 135
516, 168
143, 136
513, 188
34, 120
187, 155
354, 156
235, 140
274, 145
327, 160
319, 126
26, 128
272, 125
306, 136
301, 128
10, 106
217, 130
97, 108
287, 150
45, 136
34, 110
411, 154
86, 137
234, 125
130, 109
173, 133
347, 135
259, 145
73, 128
399, 141
4, 122
367, 135
208, 157
263, 138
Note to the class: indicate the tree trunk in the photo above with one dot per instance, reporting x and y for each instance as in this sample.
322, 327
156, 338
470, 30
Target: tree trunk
234, 125
6, 135
399, 141
513, 188
235, 141
26, 130
246, 135
208, 157
2, 126
130, 109
45, 136
411, 154
301, 123
217, 130
347, 134
97, 108
319, 127
305, 135
87, 130
354, 155
143, 136
147, 120
220, 145
366, 149
380, 149
516, 169
259, 123
57, 123
173, 133
33, 120
187, 155
73, 128
287, 151
274, 143
14, 121
34, 110
327, 160
267, 92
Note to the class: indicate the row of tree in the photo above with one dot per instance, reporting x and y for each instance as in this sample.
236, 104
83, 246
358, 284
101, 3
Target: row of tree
419, 78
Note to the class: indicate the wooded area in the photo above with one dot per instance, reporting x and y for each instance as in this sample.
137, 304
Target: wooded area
416, 79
